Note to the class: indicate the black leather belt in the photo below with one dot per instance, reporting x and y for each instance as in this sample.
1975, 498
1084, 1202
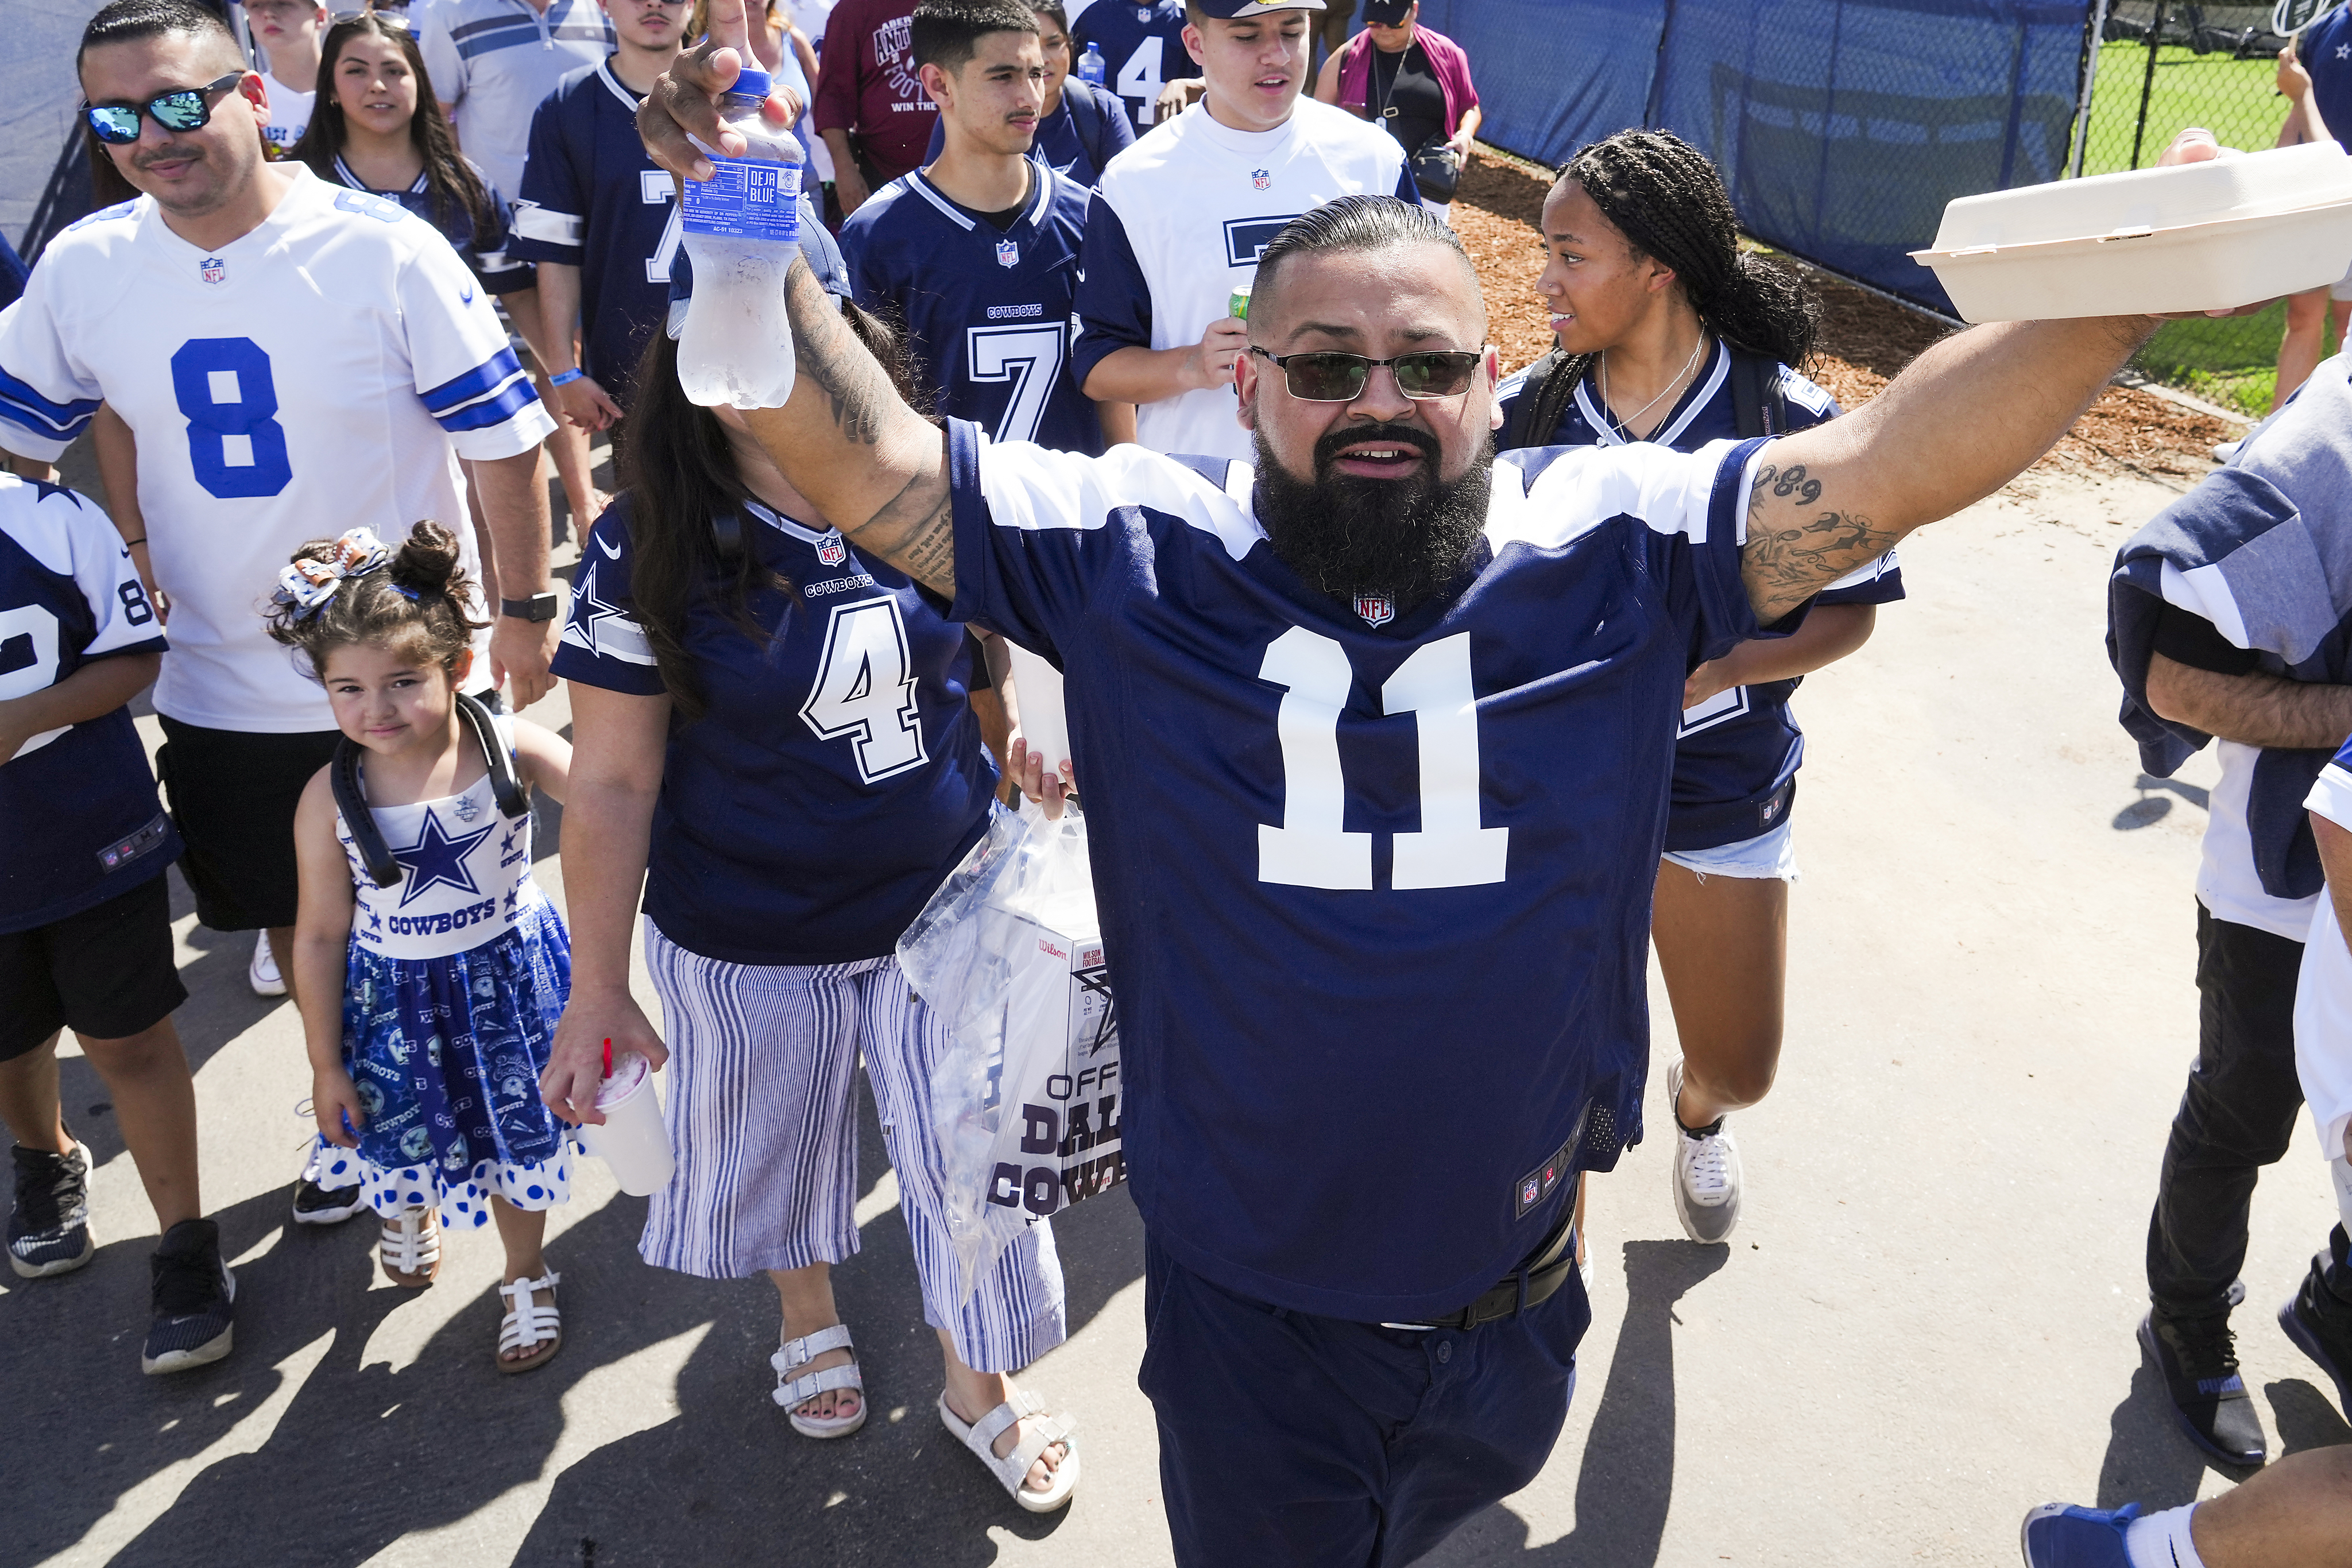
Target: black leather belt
1537, 1277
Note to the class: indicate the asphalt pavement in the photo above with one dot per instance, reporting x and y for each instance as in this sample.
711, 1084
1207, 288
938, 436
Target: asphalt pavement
1923, 1326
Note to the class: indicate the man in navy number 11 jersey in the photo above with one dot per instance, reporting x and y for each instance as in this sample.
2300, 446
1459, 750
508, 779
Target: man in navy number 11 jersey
977, 256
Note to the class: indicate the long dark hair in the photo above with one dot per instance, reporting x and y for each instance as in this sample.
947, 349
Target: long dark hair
450, 180
1668, 200
679, 470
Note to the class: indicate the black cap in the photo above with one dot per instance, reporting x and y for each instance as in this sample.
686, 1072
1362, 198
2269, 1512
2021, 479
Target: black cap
1386, 13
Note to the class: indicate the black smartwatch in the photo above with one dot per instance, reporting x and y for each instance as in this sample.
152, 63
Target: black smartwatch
538, 607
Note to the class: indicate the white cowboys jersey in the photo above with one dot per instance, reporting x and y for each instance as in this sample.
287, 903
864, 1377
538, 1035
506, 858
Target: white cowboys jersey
323, 372
1181, 217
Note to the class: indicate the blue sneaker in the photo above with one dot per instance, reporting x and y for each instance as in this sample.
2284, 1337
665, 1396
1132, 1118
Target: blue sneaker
2058, 1535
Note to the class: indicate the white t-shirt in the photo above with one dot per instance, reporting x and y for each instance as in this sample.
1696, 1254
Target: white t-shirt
290, 115
1183, 215
322, 372
2322, 994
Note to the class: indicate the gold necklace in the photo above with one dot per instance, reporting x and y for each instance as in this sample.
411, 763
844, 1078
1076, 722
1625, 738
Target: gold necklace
1625, 427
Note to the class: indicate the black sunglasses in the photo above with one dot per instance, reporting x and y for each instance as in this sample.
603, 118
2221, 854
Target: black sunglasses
188, 109
1339, 378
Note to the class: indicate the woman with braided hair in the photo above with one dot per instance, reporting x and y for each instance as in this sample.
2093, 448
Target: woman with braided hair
1668, 333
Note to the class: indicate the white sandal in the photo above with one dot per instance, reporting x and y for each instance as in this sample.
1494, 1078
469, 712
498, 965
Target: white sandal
794, 1392
411, 1248
1011, 1470
529, 1326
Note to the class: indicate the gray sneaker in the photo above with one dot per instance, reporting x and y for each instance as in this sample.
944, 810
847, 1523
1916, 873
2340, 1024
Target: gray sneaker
1706, 1171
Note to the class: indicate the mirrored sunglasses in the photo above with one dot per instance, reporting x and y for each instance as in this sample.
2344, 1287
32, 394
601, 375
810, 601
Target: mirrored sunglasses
1323, 377
189, 109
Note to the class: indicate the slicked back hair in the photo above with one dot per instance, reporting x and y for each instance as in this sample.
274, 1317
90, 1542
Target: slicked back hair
947, 32
1361, 223
127, 21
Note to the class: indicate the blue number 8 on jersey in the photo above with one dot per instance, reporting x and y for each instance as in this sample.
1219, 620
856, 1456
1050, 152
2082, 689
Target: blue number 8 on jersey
230, 400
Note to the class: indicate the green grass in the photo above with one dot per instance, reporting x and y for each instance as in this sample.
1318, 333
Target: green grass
2233, 362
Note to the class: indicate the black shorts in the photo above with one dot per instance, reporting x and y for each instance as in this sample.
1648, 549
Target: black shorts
232, 796
106, 972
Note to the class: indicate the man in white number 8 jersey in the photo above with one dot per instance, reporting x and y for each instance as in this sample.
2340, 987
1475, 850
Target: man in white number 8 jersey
295, 360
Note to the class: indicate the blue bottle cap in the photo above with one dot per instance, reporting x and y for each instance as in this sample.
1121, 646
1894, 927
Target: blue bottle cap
750, 84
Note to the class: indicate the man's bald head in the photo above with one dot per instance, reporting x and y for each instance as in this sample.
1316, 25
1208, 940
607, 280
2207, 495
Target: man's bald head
130, 21
1359, 223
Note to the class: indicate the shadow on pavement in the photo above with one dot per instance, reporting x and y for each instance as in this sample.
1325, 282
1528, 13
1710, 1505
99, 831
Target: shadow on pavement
363, 1454
727, 1480
2304, 1416
1627, 1478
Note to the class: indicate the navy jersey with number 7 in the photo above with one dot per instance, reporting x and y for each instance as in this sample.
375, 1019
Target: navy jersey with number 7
988, 312
1374, 884
592, 199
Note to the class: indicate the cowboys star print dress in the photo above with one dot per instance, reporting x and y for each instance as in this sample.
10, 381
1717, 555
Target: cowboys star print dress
456, 977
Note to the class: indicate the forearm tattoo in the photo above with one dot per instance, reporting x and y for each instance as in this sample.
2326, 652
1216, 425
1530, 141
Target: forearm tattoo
1787, 561
829, 354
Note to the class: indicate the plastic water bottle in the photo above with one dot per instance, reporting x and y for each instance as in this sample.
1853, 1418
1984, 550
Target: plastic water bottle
1091, 66
741, 227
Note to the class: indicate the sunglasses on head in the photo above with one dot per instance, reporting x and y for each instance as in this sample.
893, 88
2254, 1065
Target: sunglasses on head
1322, 377
187, 108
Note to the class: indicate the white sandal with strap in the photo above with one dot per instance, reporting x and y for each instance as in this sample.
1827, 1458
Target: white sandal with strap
795, 1392
411, 1248
529, 1326
1011, 1470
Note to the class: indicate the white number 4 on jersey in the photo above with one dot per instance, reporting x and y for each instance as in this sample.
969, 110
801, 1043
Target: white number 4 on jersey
865, 690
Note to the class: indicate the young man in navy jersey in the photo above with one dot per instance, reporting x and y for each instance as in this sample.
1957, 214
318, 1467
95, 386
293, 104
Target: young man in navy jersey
599, 217
85, 915
977, 256
1081, 126
1181, 217
1376, 739
1142, 44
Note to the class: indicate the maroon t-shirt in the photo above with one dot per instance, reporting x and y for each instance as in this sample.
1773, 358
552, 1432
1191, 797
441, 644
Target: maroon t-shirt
866, 84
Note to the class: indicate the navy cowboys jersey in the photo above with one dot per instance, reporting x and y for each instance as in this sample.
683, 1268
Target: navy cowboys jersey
79, 820
592, 199
838, 775
483, 247
1375, 887
1740, 749
1142, 50
1081, 152
988, 314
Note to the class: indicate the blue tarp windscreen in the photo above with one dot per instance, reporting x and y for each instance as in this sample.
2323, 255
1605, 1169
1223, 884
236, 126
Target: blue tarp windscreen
1842, 129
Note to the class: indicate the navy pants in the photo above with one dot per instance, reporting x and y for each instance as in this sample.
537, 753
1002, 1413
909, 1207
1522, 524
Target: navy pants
1307, 1441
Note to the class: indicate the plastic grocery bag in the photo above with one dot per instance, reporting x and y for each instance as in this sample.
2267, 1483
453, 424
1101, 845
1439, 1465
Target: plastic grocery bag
1025, 1098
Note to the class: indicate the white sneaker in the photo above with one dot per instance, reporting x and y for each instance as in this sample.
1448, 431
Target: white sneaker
1706, 1172
2227, 452
262, 973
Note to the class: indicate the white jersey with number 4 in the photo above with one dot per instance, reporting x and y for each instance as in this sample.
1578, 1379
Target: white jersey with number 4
323, 372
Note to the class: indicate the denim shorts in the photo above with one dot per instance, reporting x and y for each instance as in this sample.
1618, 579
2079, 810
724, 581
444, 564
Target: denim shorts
1771, 854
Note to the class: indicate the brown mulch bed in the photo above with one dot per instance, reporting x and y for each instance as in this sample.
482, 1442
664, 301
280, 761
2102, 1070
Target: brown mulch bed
1864, 338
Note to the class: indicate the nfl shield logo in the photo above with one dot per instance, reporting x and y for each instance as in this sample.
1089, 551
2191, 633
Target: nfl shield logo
1262, 179
830, 550
1529, 1192
1376, 609
1008, 254
213, 269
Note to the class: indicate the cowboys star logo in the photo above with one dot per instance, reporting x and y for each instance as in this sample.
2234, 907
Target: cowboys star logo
1376, 609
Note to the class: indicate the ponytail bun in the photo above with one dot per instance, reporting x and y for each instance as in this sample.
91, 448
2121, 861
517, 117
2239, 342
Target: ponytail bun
430, 561
418, 599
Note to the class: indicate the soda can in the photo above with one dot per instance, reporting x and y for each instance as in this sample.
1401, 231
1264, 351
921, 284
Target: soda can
1238, 306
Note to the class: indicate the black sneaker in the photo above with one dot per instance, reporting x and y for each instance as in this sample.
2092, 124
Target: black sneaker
2197, 1359
314, 1204
195, 1298
48, 1230
2321, 1327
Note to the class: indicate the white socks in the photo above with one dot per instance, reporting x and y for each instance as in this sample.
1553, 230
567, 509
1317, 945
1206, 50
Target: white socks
2161, 1540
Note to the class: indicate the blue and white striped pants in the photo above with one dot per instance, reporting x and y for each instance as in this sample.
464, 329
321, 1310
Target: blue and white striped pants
762, 1112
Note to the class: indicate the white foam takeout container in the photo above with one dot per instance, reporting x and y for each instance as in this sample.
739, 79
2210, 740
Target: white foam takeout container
2198, 236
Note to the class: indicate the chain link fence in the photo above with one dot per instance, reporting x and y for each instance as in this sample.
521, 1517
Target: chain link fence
2161, 67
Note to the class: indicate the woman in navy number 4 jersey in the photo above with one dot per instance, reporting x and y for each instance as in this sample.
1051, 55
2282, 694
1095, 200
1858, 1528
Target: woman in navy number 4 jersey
774, 741
1668, 334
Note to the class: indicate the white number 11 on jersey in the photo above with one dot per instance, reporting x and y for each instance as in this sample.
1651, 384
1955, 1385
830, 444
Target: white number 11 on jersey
1310, 849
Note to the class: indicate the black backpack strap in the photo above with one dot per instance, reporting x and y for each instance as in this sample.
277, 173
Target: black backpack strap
1758, 406
1543, 400
343, 776
1086, 117
506, 784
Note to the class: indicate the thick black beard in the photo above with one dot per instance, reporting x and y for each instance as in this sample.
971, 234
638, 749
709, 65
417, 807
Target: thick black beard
1346, 535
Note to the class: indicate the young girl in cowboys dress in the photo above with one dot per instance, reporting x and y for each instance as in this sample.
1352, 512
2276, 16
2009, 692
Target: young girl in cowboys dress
430, 967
